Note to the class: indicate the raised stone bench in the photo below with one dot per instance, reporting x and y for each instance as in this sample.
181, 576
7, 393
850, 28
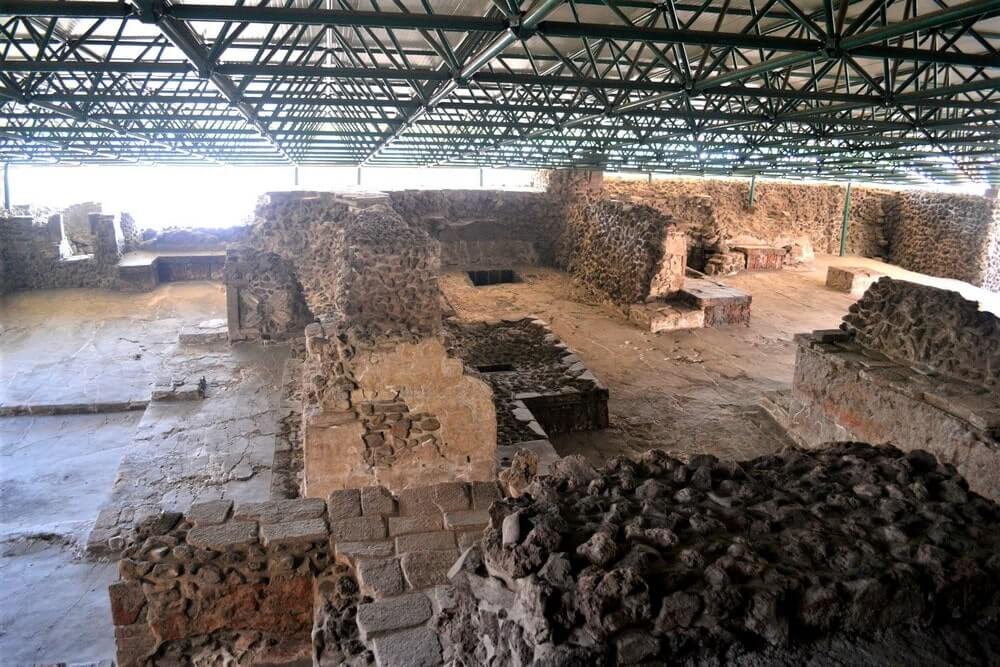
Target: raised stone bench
143, 269
761, 257
842, 391
666, 316
204, 333
700, 303
722, 305
851, 279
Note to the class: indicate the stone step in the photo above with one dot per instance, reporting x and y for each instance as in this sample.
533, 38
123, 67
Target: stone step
667, 316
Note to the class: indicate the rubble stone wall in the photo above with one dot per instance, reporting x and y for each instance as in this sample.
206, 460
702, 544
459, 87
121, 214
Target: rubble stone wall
928, 328
32, 257
342, 580
946, 235
658, 561
482, 229
264, 297
939, 234
619, 249
397, 412
356, 259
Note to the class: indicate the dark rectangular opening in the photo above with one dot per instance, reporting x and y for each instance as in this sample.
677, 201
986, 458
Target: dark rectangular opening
493, 277
495, 368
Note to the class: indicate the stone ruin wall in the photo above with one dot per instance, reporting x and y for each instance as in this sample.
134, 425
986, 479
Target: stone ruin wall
946, 235
912, 366
481, 229
928, 328
264, 296
383, 401
658, 561
626, 252
356, 259
396, 412
338, 581
30, 247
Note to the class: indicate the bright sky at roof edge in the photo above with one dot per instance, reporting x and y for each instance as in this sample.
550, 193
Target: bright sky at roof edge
219, 196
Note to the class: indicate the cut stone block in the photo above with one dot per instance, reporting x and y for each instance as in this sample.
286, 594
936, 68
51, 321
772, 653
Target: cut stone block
282, 510
380, 578
465, 519
224, 536
359, 529
382, 549
395, 613
419, 647
344, 504
294, 532
424, 569
377, 500
442, 540
851, 279
402, 525
211, 513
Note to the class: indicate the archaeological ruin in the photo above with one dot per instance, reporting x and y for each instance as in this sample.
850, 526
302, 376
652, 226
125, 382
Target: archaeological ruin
499, 334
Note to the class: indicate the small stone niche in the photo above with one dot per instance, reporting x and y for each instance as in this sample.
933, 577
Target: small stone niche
484, 277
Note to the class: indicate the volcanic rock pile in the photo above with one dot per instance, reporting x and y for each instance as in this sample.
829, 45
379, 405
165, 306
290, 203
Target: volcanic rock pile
656, 560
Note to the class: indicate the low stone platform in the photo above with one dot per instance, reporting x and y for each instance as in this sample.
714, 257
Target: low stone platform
700, 303
843, 391
144, 269
666, 316
761, 257
203, 333
851, 279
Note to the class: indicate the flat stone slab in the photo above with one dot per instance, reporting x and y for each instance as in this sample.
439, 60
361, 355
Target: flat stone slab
204, 333
851, 279
703, 294
404, 611
667, 316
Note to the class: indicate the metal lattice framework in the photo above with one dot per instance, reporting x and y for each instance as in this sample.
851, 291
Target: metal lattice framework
890, 90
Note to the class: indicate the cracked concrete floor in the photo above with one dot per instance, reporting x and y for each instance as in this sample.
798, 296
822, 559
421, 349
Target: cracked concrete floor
72, 346
89, 345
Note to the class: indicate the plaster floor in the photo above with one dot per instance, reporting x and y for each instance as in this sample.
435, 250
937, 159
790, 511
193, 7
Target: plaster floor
72, 346
687, 392
59, 347
55, 472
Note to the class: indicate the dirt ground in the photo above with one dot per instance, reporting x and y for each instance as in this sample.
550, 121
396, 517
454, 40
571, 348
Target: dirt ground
687, 392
